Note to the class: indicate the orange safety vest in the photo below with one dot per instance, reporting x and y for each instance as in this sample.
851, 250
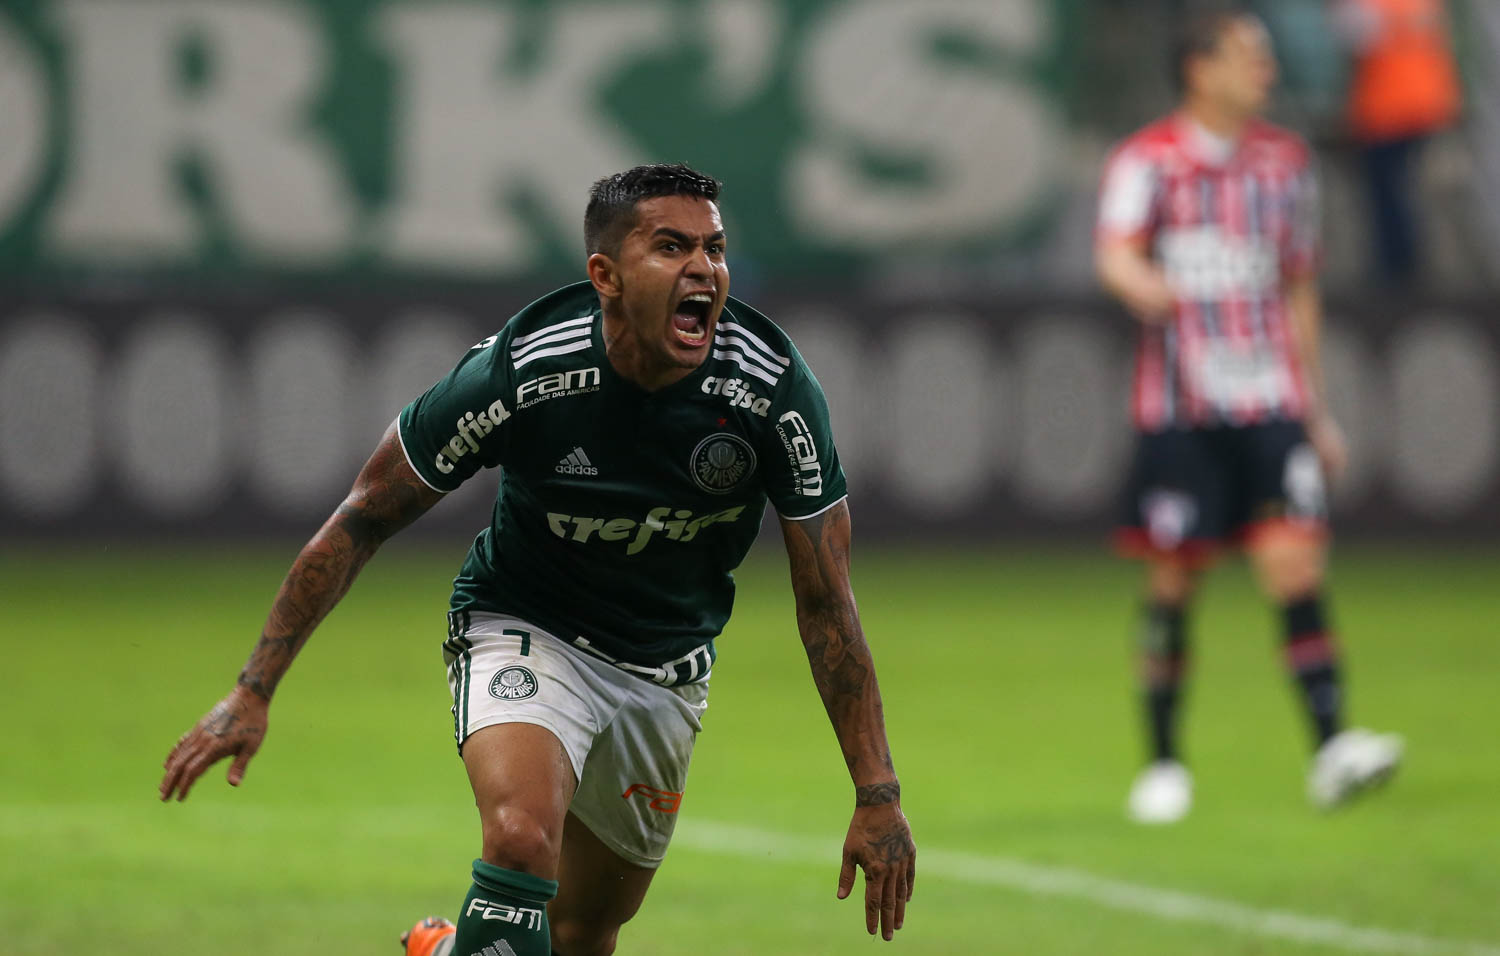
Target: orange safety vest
1406, 82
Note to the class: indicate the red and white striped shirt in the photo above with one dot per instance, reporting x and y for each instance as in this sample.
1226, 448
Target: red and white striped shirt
1229, 223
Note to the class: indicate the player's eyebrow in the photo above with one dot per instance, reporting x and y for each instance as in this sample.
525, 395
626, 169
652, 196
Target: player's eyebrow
683, 237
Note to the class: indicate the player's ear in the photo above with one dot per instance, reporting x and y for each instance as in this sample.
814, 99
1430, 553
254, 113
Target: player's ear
605, 275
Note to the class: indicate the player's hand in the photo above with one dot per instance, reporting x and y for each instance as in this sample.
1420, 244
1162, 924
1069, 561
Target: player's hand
1149, 298
1327, 439
235, 727
1129, 274
880, 843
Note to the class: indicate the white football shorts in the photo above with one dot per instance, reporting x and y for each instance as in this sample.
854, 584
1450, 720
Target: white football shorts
630, 740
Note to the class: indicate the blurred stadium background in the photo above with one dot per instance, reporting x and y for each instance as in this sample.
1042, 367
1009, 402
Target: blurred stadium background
237, 236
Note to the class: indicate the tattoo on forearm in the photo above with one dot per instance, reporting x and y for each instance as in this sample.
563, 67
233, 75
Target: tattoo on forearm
836, 650
386, 498
877, 794
267, 663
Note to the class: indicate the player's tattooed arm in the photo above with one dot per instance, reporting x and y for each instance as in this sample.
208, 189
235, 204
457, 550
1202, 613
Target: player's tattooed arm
879, 839
385, 498
877, 794
818, 551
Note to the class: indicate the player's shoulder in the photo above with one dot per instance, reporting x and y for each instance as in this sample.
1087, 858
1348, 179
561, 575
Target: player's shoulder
748, 343
1277, 144
1155, 140
558, 323
571, 307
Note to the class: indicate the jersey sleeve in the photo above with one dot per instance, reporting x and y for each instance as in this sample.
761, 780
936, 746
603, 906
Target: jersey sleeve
1303, 249
458, 426
802, 471
1127, 195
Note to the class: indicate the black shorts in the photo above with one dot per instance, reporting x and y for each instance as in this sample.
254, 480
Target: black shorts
1192, 490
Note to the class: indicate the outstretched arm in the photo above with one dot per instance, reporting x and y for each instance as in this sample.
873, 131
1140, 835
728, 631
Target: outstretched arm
879, 838
386, 497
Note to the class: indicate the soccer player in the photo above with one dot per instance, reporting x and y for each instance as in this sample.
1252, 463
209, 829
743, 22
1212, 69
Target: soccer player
1208, 234
641, 420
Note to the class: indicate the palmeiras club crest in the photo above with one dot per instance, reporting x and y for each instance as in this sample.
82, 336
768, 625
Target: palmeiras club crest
513, 683
722, 462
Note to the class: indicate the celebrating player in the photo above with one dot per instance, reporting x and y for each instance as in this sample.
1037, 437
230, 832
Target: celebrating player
641, 420
1208, 234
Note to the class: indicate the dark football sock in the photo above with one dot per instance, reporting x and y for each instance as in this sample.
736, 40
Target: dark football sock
505, 914
1312, 658
1163, 663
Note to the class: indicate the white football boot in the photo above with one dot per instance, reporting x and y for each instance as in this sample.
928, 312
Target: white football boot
1162, 793
1351, 762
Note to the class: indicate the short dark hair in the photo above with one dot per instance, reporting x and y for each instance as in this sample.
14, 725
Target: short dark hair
1198, 35
612, 200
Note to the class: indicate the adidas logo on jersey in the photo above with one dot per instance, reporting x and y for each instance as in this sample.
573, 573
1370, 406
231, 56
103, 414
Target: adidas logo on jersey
576, 463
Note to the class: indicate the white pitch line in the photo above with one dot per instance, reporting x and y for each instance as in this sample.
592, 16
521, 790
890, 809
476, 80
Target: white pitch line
1041, 880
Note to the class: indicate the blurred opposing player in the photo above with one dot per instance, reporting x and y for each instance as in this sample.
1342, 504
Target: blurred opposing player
642, 420
1208, 234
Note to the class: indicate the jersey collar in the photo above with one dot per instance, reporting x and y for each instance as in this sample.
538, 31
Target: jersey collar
1203, 146
685, 384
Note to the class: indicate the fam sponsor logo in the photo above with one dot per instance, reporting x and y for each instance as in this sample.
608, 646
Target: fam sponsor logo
519, 915
801, 454
738, 393
578, 381
667, 801
679, 525
473, 427
721, 463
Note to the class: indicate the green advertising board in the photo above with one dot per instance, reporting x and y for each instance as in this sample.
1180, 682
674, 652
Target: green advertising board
457, 138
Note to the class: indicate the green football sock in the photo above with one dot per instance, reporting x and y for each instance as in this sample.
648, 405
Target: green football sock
505, 914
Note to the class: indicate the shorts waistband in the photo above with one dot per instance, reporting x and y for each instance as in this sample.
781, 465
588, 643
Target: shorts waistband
691, 668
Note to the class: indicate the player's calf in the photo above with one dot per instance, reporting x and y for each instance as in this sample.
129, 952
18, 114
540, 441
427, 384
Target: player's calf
1163, 666
571, 937
505, 913
1312, 658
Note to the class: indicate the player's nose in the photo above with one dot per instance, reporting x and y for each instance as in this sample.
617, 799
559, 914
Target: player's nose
698, 264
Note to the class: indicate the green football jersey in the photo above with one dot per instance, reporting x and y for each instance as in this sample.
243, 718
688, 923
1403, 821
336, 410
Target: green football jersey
621, 513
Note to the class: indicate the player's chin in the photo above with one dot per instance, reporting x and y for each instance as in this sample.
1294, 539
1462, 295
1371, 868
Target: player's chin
687, 354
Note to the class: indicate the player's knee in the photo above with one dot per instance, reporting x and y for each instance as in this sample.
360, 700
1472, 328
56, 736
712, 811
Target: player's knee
1294, 586
1292, 573
1171, 583
517, 840
575, 937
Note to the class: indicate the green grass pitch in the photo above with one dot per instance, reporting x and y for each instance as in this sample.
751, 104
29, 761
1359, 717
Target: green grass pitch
1007, 691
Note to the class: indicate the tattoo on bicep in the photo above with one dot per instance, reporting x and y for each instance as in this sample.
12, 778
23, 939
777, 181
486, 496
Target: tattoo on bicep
877, 794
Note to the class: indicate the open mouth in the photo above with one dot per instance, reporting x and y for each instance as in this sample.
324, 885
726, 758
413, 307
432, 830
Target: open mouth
690, 321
